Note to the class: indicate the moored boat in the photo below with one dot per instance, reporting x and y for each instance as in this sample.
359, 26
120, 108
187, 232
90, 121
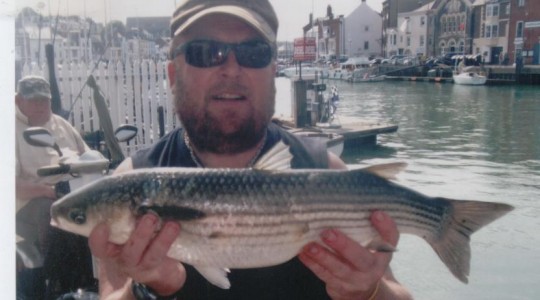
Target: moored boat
469, 78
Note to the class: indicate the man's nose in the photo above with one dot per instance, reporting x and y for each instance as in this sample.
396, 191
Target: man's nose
230, 67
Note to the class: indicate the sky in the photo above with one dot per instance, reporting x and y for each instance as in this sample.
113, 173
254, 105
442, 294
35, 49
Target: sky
292, 14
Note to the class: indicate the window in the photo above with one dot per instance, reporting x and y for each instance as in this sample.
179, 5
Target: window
519, 29
366, 45
408, 41
422, 21
366, 28
492, 31
421, 41
521, 3
492, 10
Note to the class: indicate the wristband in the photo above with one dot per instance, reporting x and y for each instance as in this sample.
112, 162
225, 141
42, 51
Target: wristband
142, 292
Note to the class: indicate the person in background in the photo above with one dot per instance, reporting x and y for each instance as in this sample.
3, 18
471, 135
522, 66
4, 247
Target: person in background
221, 72
34, 194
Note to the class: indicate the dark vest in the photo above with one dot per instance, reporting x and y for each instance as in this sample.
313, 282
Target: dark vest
290, 280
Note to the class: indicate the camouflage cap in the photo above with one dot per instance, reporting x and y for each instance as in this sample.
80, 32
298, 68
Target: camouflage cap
33, 86
258, 13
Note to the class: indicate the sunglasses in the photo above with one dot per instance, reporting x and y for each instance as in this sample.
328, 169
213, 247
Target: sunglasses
253, 54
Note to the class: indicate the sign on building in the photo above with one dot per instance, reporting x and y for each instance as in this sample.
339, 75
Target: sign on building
305, 49
532, 24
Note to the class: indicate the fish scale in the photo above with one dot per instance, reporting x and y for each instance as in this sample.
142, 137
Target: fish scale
247, 218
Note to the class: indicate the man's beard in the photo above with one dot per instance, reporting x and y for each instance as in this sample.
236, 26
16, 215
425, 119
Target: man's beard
205, 129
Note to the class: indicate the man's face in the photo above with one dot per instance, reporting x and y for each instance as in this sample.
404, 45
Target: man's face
36, 109
225, 108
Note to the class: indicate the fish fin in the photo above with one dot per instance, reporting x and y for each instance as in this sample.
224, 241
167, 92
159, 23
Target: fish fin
387, 171
452, 245
380, 245
216, 276
277, 158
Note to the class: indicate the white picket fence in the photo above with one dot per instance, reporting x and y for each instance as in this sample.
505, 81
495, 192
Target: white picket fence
133, 93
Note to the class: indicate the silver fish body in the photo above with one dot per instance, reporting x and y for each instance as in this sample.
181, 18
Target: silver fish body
244, 218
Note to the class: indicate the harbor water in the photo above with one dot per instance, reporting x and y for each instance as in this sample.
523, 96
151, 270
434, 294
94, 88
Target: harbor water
461, 142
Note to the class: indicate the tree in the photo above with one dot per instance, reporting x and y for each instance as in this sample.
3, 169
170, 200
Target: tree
112, 33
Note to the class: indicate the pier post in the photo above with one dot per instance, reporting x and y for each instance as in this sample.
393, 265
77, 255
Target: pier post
299, 102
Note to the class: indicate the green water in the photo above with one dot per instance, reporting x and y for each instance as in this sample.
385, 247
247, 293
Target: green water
462, 142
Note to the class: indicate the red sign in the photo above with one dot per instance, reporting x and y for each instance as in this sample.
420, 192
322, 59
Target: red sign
305, 49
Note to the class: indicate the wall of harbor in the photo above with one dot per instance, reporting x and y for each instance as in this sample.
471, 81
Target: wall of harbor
497, 74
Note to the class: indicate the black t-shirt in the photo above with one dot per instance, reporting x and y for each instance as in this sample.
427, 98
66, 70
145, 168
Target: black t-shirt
290, 280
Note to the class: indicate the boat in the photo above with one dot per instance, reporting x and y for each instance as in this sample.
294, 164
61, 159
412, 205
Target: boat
338, 74
469, 78
468, 75
364, 75
306, 71
346, 68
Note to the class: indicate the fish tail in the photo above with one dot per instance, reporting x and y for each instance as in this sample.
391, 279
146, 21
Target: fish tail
465, 218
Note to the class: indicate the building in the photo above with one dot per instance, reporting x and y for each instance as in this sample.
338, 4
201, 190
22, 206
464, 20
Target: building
491, 30
363, 27
156, 27
74, 38
390, 11
524, 31
411, 37
328, 32
358, 34
454, 30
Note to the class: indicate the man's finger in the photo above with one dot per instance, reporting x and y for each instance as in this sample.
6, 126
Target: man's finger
139, 240
98, 241
386, 227
159, 247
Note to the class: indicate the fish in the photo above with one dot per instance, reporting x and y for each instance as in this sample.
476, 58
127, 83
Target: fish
263, 216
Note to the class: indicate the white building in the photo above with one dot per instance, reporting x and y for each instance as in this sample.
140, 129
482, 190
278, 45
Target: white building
363, 28
71, 43
411, 36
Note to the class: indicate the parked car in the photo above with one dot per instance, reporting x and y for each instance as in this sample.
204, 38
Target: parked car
411, 60
394, 60
375, 61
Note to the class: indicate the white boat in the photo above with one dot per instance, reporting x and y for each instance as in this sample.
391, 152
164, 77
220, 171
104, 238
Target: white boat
364, 75
346, 68
469, 78
306, 71
339, 74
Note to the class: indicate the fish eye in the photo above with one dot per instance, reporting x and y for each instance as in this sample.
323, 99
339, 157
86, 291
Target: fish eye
77, 216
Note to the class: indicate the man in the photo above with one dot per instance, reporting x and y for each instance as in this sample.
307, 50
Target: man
222, 77
34, 195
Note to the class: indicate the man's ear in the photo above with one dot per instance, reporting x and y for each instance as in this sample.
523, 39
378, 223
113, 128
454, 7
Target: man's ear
18, 99
171, 71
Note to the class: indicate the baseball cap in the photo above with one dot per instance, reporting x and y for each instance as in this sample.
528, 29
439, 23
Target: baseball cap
33, 86
258, 13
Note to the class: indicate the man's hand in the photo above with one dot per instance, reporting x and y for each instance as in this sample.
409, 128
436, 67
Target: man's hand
351, 271
143, 258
